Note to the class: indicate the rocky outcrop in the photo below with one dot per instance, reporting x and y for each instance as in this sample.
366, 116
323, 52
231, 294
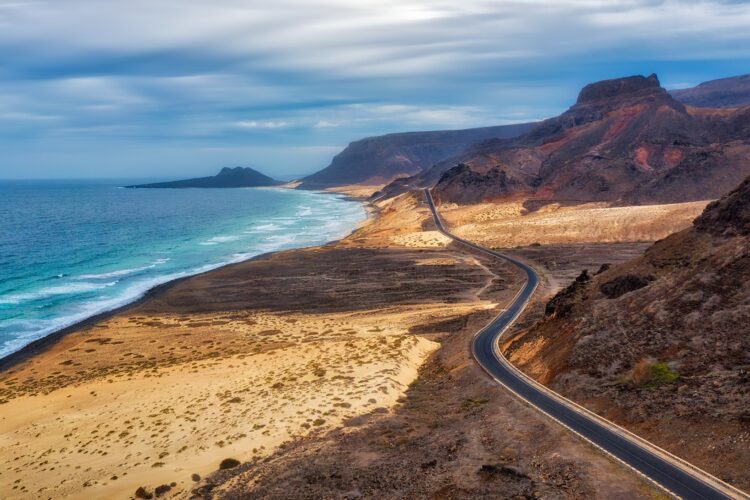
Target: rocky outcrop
461, 184
561, 305
618, 88
226, 178
729, 216
378, 160
621, 285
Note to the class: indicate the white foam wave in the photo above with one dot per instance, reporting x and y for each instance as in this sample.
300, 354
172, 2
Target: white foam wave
122, 272
27, 331
264, 228
220, 239
279, 240
113, 274
69, 289
31, 330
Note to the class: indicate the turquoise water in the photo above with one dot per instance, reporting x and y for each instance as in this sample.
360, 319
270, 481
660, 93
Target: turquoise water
70, 250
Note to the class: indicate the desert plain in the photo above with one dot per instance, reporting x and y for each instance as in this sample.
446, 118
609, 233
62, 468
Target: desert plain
348, 362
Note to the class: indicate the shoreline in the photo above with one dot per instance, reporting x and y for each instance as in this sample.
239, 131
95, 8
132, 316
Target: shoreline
39, 345
285, 345
254, 359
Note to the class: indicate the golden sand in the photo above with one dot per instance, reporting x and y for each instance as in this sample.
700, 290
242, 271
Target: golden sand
509, 225
262, 380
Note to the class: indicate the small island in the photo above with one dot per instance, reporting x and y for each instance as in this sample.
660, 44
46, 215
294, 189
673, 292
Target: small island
226, 178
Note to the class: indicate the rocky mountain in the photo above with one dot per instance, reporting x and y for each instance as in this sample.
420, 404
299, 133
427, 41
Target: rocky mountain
724, 93
226, 178
661, 343
461, 184
625, 141
377, 160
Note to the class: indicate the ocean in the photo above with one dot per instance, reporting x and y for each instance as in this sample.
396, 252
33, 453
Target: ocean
71, 250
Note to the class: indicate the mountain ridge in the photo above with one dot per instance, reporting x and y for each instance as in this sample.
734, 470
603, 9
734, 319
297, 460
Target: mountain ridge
728, 92
373, 161
381, 159
625, 141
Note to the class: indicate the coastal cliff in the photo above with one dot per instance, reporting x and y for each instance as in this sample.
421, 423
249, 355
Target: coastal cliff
378, 160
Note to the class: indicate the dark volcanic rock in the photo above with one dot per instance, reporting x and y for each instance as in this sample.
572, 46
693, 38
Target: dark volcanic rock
227, 178
729, 216
461, 184
624, 284
561, 305
619, 87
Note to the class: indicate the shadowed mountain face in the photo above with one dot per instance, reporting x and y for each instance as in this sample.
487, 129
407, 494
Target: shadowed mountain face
377, 160
662, 342
226, 178
724, 93
461, 184
729, 216
625, 141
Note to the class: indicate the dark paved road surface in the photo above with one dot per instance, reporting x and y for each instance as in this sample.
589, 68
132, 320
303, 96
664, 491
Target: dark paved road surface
669, 473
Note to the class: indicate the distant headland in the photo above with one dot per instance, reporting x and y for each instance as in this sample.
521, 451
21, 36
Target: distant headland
226, 178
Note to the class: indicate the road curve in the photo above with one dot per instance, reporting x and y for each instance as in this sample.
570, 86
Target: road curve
672, 474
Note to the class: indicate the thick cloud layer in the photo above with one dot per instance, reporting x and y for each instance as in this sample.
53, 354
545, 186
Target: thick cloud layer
161, 88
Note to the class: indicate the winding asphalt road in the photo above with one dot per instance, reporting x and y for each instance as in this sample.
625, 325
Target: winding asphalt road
669, 472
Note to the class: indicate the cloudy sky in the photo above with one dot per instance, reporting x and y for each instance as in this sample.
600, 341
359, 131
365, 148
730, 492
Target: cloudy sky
163, 88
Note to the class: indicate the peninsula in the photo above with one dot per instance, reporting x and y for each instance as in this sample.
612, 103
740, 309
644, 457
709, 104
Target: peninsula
226, 178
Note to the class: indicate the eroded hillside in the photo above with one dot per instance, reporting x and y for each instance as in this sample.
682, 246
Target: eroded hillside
660, 344
625, 141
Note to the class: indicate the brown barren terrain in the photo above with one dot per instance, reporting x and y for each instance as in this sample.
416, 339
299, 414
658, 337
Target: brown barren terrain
659, 343
343, 368
228, 364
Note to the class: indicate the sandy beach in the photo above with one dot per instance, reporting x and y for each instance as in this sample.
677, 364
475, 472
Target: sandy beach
228, 364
